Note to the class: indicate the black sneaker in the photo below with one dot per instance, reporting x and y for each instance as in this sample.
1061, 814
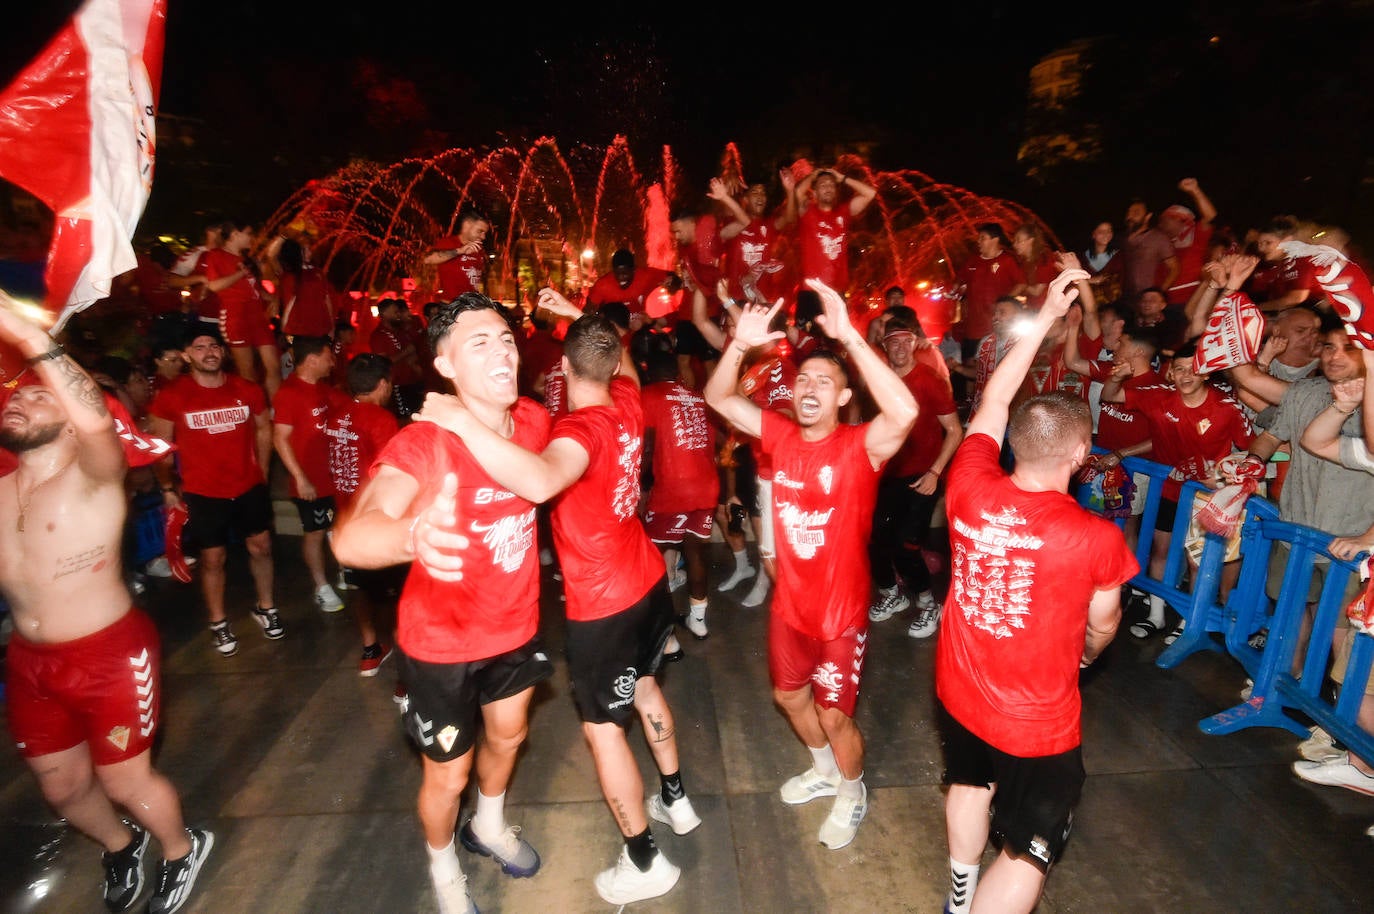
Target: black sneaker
270, 621
176, 878
224, 639
124, 871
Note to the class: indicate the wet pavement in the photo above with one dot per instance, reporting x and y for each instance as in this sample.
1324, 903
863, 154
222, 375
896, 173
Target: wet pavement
303, 772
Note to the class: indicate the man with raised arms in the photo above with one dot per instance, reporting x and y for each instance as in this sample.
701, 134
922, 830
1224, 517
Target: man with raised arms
83, 667
468, 617
825, 484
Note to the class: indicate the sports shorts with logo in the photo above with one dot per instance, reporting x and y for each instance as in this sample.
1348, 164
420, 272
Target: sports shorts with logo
833, 668
606, 657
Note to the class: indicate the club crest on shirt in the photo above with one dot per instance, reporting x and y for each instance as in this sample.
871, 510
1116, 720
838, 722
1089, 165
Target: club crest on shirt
119, 736
1203, 425
827, 477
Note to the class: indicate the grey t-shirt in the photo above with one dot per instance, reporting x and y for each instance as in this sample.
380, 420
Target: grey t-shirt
1317, 492
1355, 455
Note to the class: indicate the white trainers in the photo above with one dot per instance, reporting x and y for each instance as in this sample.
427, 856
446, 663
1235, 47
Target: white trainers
892, 602
695, 621
678, 815
840, 827
807, 786
1319, 747
453, 896
158, 567
737, 577
758, 593
625, 884
1336, 772
327, 600
926, 623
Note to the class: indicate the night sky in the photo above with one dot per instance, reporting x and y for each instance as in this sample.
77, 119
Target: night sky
1267, 103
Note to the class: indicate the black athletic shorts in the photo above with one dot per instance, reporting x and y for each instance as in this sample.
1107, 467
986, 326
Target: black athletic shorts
747, 479
215, 522
315, 515
382, 585
1168, 512
446, 698
607, 656
1032, 809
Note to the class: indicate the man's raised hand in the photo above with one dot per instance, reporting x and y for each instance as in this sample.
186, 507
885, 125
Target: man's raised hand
1062, 293
751, 326
834, 316
434, 538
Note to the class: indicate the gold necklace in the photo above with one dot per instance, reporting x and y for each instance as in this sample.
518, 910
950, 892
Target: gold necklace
24, 502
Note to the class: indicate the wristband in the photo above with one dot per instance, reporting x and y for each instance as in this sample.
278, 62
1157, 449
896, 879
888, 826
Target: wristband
56, 352
1343, 412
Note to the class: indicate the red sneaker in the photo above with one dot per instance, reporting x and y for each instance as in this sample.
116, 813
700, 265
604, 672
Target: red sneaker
374, 655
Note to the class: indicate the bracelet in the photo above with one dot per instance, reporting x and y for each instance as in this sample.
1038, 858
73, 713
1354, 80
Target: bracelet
1343, 412
56, 352
410, 534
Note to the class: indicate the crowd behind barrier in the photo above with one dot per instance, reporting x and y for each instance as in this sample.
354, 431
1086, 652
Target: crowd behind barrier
1247, 610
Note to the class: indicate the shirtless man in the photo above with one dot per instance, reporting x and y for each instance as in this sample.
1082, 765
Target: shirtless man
83, 666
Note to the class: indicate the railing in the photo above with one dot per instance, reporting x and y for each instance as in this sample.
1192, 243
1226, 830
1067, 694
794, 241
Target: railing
1248, 610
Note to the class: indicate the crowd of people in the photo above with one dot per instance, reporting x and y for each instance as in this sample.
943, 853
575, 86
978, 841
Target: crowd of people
843, 457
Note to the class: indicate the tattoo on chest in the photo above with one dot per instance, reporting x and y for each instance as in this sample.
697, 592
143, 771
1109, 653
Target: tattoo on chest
87, 559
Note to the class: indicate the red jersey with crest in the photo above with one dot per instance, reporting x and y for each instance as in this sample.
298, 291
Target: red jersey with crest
824, 236
307, 303
1024, 567
609, 562
685, 477
243, 294
746, 251
215, 433
824, 493
305, 407
934, 398
462, 273
1118, 426
1191, 439
357, 433
495, 607
986, 281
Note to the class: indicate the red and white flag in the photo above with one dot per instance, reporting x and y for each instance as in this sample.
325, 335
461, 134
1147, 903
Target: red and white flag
1345, 284
77, 130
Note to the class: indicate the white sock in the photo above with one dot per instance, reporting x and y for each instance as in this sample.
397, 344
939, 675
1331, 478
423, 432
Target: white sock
888, 591
963, 879
698, 609
823, 760
742, 560
1157, 611
851, 790
489, 820
443, 864
670, 561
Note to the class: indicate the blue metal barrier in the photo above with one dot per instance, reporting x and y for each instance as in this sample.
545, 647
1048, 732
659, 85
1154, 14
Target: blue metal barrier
1248, 609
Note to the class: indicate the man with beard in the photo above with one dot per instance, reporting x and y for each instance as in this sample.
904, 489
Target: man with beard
468, 617
83, 667
461, 258
825, 226
1147, 258
825, 484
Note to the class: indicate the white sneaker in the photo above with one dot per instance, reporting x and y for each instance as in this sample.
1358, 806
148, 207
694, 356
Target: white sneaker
1336, 772
840, 827
625, 884
695, 621
758, 593
158, 567
893, 602
453, 896
327, 600
1319, 747
737, 577
926, 623
807, 786
678, 815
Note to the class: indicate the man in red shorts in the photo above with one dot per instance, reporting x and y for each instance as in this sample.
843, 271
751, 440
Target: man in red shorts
1034, 597
232, 275
223, 430
825, 483
620, 613
468, 618
83, 687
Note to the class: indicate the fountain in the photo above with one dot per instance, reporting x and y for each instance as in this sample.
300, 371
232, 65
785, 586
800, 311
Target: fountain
557, 216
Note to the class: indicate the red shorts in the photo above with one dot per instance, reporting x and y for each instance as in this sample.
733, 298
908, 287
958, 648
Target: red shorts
102, 689
666, 527
832, 667
246, 325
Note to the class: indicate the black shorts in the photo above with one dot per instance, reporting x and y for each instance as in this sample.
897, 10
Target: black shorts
1032, 809
315, 515
607, 656
382, 585
747, 479
446, 698
215, 522
1168, 512
689, 341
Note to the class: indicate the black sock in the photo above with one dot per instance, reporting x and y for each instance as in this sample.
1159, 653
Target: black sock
642, 849
672, 787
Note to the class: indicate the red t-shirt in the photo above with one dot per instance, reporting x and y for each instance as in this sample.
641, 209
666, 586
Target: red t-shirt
357, 433
1191, 439
215, 432
606, 290
986, 281
609, 562
540, 353
305, 407
1049, 373
157, 295
824, 236
685, 477
243, 294
701, 260
462, 273
1191, 253
1042, 273
934, 399
1117, 426
391, 342
824, 493
746, 251
495, 607
1025, 566
307, 304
